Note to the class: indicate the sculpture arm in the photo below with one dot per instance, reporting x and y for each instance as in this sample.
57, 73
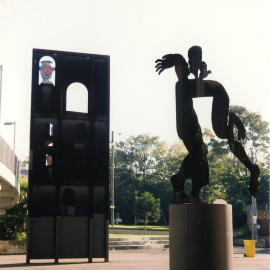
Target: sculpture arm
167, 61
171, 60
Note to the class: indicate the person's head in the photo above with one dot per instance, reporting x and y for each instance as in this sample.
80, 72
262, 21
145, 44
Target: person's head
195, 59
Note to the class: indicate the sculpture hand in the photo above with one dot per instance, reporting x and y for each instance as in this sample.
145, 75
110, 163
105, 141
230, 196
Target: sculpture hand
167, 61
203, 71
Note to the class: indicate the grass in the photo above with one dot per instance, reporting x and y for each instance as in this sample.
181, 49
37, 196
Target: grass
165, 228
111, 235
137, 231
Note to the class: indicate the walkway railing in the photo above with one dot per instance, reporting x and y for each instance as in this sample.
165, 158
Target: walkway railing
8, 158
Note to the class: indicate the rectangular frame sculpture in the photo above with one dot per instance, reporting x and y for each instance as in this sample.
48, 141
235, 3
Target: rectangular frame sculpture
69, 156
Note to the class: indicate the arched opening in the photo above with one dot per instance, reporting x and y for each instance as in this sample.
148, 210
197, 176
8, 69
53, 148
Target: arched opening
77, 98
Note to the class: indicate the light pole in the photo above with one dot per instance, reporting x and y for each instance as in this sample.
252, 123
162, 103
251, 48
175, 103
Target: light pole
112, 206
254, 217
13, 123
135, 207
254, 228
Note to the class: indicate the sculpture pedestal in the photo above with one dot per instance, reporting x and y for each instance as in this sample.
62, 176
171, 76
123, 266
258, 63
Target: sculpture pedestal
201, 237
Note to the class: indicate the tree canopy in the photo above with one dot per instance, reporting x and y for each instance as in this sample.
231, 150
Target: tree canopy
144, 163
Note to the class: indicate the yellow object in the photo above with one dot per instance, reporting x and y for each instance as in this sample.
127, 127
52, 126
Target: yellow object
249, 248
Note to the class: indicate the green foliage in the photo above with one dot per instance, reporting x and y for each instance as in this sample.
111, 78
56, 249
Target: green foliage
145, 164
147, 208
13, 223
21, 236
264, 195
257, 130
243, 233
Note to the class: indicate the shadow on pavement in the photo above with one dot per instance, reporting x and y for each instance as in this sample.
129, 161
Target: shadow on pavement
14, 265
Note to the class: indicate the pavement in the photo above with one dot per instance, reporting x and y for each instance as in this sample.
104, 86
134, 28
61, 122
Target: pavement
147, 259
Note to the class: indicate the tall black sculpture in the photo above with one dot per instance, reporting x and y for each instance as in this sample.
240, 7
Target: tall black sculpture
69, 158
195, 164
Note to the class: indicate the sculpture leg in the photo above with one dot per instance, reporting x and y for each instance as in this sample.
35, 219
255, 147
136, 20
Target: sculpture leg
235, 120
220, 112
178, 181
200, 169
195, 192
239, 151
199, 179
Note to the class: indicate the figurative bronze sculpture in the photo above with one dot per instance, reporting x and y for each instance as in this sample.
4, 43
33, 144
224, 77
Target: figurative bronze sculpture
195, 164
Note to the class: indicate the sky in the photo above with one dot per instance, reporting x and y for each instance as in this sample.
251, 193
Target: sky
234, 36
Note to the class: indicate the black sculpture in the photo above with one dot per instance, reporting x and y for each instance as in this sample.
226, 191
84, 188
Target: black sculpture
195, 164
69, 149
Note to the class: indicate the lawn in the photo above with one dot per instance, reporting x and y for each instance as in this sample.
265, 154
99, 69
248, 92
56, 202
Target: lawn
112, 235
140, 227
131, 231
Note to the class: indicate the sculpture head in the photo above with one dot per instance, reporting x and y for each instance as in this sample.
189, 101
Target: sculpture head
184, 69
195, 59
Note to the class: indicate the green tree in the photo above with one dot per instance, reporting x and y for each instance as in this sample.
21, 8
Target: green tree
257, 130
141, 154
264, 195
125, 187
229, 179
147, 208
144, 163
13, 223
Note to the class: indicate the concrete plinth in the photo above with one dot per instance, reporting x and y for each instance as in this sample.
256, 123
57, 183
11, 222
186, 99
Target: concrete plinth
201, 237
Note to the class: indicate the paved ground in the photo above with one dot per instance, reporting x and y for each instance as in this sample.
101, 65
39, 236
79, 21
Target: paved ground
151, 259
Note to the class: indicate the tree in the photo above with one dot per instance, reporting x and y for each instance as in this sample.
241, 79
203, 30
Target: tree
141, 154
147, 208
144, 163
13, 223
257, 131
229, 179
